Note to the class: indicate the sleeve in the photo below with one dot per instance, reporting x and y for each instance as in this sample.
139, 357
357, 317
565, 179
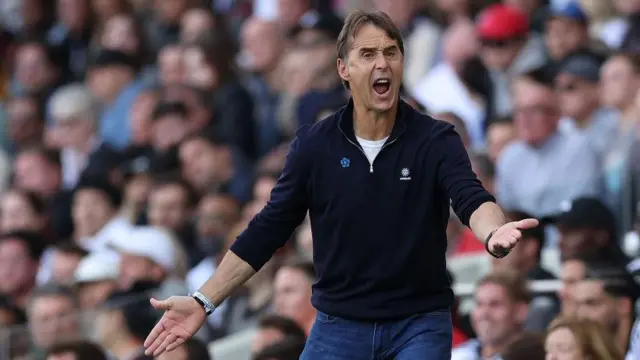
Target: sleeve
456, 178
273, 226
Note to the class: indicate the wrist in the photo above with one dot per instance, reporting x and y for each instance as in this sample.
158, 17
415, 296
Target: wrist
206, 304
488, 248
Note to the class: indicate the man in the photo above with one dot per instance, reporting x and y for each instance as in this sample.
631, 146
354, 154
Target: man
20, 254
77, 350
96, 279
275, 328
25, 120
292, 296
501, 307
52, 315
379, 255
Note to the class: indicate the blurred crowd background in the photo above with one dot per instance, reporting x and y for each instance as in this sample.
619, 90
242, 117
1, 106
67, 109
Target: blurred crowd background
139, 137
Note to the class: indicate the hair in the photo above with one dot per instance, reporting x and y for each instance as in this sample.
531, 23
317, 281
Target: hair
219, 52
594, 341
306, 267
542, 76
75, 101
616, 281
513, 283
289, 348
536, 233
49, 155
632, 58
36, 203
82, 350
71, 248
358, 18
169, 179
32, 240
38, 99
19, 317
164, 108
457, 122
525, 346
52, 290
197, 350
55, 55
285, 325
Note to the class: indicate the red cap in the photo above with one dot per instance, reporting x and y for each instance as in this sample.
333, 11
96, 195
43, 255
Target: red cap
502, 22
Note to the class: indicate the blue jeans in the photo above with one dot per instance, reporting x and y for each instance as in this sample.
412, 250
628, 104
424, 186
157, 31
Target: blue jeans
421, 336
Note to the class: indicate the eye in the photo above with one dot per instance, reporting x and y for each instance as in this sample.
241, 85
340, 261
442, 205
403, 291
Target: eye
367, 54
390, 53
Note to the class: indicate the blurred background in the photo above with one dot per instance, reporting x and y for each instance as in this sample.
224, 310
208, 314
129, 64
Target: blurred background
139, 137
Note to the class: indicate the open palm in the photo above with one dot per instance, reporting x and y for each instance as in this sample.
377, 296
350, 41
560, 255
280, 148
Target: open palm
182, 318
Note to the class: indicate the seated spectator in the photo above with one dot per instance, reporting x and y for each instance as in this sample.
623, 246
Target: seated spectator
171, 67
83, 153
499, 313
292, 296
217, 213
196, 22
52, 316
193, 349
10, 313
543, 155
151, 254
273, 329
607, 295
65, 258
485, 170
168, 125
125, 321
140, 116
525, 346
572, 338
20, 254
566, 30
96, 278
77, 350
500, 134
286, 349
22, 210
25, 119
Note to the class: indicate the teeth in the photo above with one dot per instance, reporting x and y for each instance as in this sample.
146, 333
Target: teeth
382, 81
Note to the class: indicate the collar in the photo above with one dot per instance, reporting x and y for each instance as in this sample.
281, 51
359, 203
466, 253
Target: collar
345, 121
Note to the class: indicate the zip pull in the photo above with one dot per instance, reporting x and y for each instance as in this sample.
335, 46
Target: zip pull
371, 168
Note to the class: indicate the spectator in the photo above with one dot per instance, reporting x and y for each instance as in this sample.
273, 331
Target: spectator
171, 64
137, 180
123, 33
22, 210
484, 169
75, 113
500, 134
293, 293
577, 84
286, 349
72, 34
124, 323
607, 295
555, 153
193, 349
10, 314
196, 22
107, 9
526, 346
566, 30
458, 124
168, 125
65, 259
25, 121
216, 215
38, 68
572, 338
77, 350
20, 254
96, 279
501, 306
164, 25
52, 316
273, 329
140, 116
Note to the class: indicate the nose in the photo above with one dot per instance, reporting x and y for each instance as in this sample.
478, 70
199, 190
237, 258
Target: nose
381, 61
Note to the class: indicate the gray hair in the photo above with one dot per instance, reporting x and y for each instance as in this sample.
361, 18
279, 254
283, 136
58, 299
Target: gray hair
75, 101
52, 290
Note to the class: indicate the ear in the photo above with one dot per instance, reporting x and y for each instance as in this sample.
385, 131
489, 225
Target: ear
343, 69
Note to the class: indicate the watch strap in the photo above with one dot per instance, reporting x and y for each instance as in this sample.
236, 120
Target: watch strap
207, 304
499, 255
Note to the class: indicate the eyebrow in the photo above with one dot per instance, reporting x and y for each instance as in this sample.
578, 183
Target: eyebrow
372, 49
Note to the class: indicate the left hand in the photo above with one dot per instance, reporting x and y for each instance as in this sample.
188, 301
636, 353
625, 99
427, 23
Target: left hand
508, 235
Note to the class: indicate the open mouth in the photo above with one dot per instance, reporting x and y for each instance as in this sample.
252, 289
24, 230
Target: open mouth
381, 86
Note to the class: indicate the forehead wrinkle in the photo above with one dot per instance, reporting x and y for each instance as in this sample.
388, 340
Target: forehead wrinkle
379, 42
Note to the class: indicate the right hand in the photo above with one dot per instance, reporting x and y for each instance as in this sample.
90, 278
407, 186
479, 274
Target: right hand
182, 318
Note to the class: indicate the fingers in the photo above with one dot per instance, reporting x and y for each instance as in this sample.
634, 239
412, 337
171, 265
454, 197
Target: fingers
153, 335
527, 223
161, 305
175, 344
159, 338
169, 340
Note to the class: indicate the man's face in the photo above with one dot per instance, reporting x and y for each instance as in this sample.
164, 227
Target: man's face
216, 216
52, 319
195, 22
34, 173
17, 269
93, 294
499, 54
574, 242
264, 338
64, 265
619, 83
494, 315
262, 43
106, 82
198, 161
373, 57
592, 302
135, 268
33, 70
498, 137
293, 295
536, 112
23, 120
168, 131
573, 271
91, 210
171, 64
563, 36
168, 207
577, 96
16, 213
77, 132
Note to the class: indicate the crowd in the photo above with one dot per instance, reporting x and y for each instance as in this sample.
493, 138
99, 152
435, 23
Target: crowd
140, 137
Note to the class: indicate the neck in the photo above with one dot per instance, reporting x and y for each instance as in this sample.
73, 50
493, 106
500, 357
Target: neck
371, 125
309, 323
125, 347
489, 351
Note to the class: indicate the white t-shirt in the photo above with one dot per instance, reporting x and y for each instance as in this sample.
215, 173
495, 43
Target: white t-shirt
371, 148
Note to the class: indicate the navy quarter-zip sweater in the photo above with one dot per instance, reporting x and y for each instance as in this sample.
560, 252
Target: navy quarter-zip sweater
379, 231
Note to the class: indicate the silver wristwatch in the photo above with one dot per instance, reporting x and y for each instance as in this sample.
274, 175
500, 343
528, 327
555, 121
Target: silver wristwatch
207, 304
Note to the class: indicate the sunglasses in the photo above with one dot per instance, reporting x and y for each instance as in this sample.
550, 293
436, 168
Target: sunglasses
490, 43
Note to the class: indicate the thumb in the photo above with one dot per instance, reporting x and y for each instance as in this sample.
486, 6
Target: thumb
527, 223
161, 305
